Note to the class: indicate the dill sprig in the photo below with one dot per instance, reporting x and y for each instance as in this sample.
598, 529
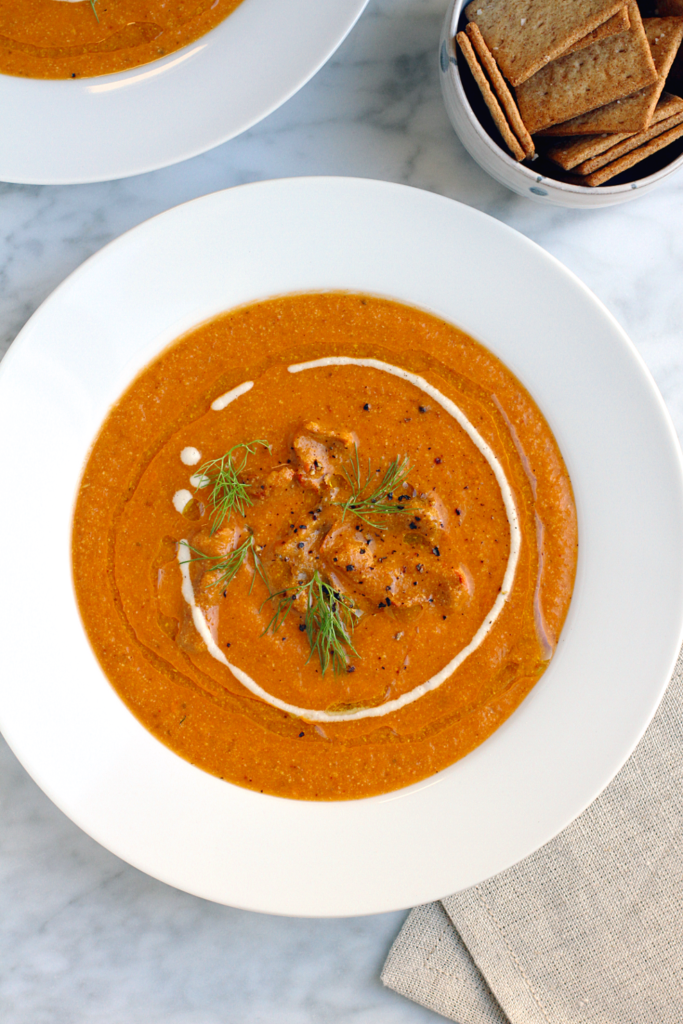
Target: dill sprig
328, 621
92, 4
229, 565
367, 502
228, 492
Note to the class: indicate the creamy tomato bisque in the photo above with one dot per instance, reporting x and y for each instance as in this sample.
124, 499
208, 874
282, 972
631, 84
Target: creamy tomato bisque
60, 39
324, 545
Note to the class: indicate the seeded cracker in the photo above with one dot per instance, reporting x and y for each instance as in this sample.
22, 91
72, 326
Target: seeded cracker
639, 139
635, 112
619, 22
633, 158
490, 100
571, 152
503, 93
523, 35
603, 72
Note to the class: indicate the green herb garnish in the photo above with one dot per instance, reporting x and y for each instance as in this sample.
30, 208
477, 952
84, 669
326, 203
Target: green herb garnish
229, 565
366, 502
92, 4
328, 621
228, 492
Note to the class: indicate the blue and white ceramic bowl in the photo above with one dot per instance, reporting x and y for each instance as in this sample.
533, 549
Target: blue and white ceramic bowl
523, 178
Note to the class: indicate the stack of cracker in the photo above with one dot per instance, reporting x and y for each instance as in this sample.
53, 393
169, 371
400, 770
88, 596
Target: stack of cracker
591, 72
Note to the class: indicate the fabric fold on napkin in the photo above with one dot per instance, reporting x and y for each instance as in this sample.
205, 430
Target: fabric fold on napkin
588, 930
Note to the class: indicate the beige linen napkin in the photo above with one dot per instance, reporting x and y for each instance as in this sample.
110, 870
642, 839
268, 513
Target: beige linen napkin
588, 930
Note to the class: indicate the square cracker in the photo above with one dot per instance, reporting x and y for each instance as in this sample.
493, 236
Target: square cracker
572, 151
619, 22
632, 158
604, 71
633, 113
502, 92
524, 35
633, 142
490, 100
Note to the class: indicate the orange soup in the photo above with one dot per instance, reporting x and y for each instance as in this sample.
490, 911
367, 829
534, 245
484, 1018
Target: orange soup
57, 39
324, 546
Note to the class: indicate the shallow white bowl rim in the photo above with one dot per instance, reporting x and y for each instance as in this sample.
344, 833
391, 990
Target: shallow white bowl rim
579, 724
113, 126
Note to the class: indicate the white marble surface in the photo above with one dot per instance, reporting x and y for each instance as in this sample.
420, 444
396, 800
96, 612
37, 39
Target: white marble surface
84, 937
